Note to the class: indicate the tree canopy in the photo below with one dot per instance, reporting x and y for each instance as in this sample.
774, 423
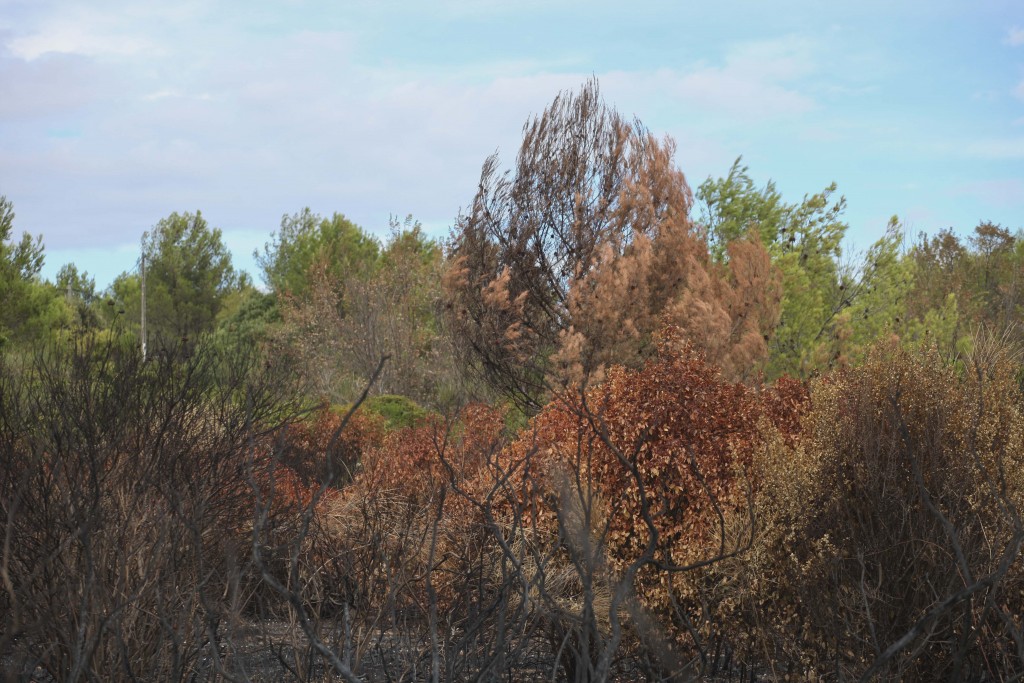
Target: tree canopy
28, 308
188, 279
306, 239
575, 258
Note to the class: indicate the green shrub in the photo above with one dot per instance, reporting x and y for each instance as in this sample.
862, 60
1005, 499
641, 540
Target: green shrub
398, 412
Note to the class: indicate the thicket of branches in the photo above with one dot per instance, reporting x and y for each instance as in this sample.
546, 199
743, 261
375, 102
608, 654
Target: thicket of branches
127, 504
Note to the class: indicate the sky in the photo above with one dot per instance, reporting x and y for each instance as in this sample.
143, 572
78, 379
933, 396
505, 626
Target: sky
116, 113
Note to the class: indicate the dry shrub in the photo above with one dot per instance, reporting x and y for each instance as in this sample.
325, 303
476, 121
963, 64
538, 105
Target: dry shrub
408, 461
125, 507
639, 483
392, 543
317, 452
299, 469
889, 533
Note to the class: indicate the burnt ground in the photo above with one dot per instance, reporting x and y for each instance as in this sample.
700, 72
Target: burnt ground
277, 651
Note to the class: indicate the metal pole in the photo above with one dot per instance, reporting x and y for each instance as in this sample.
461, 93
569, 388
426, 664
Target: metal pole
143, 274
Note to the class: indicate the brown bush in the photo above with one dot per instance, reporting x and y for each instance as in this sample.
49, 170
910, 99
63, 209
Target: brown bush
889, 533
126, 509
635, 486
315, 450
392, 545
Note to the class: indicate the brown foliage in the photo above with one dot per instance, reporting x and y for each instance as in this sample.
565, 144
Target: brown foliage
408, 462
587, 250
316, 451
651, 470
380, 531
890, 531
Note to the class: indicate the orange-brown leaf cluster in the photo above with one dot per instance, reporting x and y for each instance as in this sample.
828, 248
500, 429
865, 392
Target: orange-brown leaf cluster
659, 461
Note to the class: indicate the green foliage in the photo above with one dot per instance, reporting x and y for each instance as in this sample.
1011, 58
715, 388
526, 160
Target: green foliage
730, 207
80, 296
408, 242
804, 242
878, 304
941, 327
306, 239
28, 308
398, 412
248, 316
994, 266
25, 259
962, 285
77, 285
189, 278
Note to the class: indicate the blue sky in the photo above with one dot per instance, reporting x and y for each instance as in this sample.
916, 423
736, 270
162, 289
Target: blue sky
114, 113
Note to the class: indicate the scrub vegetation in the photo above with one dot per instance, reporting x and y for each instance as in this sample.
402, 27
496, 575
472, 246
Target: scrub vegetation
611, 429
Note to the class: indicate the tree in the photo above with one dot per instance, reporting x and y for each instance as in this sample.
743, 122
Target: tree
188, 277
996, 268
25, 259
963, 284
80, 295
728, 208
248, 316
804, 242
940, 288
570, 263
877, 306
27, 306
340, 329
306, 239
394, 312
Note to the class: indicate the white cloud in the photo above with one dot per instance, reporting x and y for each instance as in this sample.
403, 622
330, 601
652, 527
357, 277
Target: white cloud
1015, 36
250, 124
757, 81
162, 93
247, 129
732, 92
100, 28
65, 37
754, 83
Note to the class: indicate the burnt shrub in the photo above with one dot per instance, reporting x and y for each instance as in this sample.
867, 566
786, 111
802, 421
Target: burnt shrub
127, 498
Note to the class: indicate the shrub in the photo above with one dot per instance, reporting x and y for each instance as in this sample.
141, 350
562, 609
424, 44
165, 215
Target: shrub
309, 447
393, 542
398, 412
125, 502
632, 488
889, 533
